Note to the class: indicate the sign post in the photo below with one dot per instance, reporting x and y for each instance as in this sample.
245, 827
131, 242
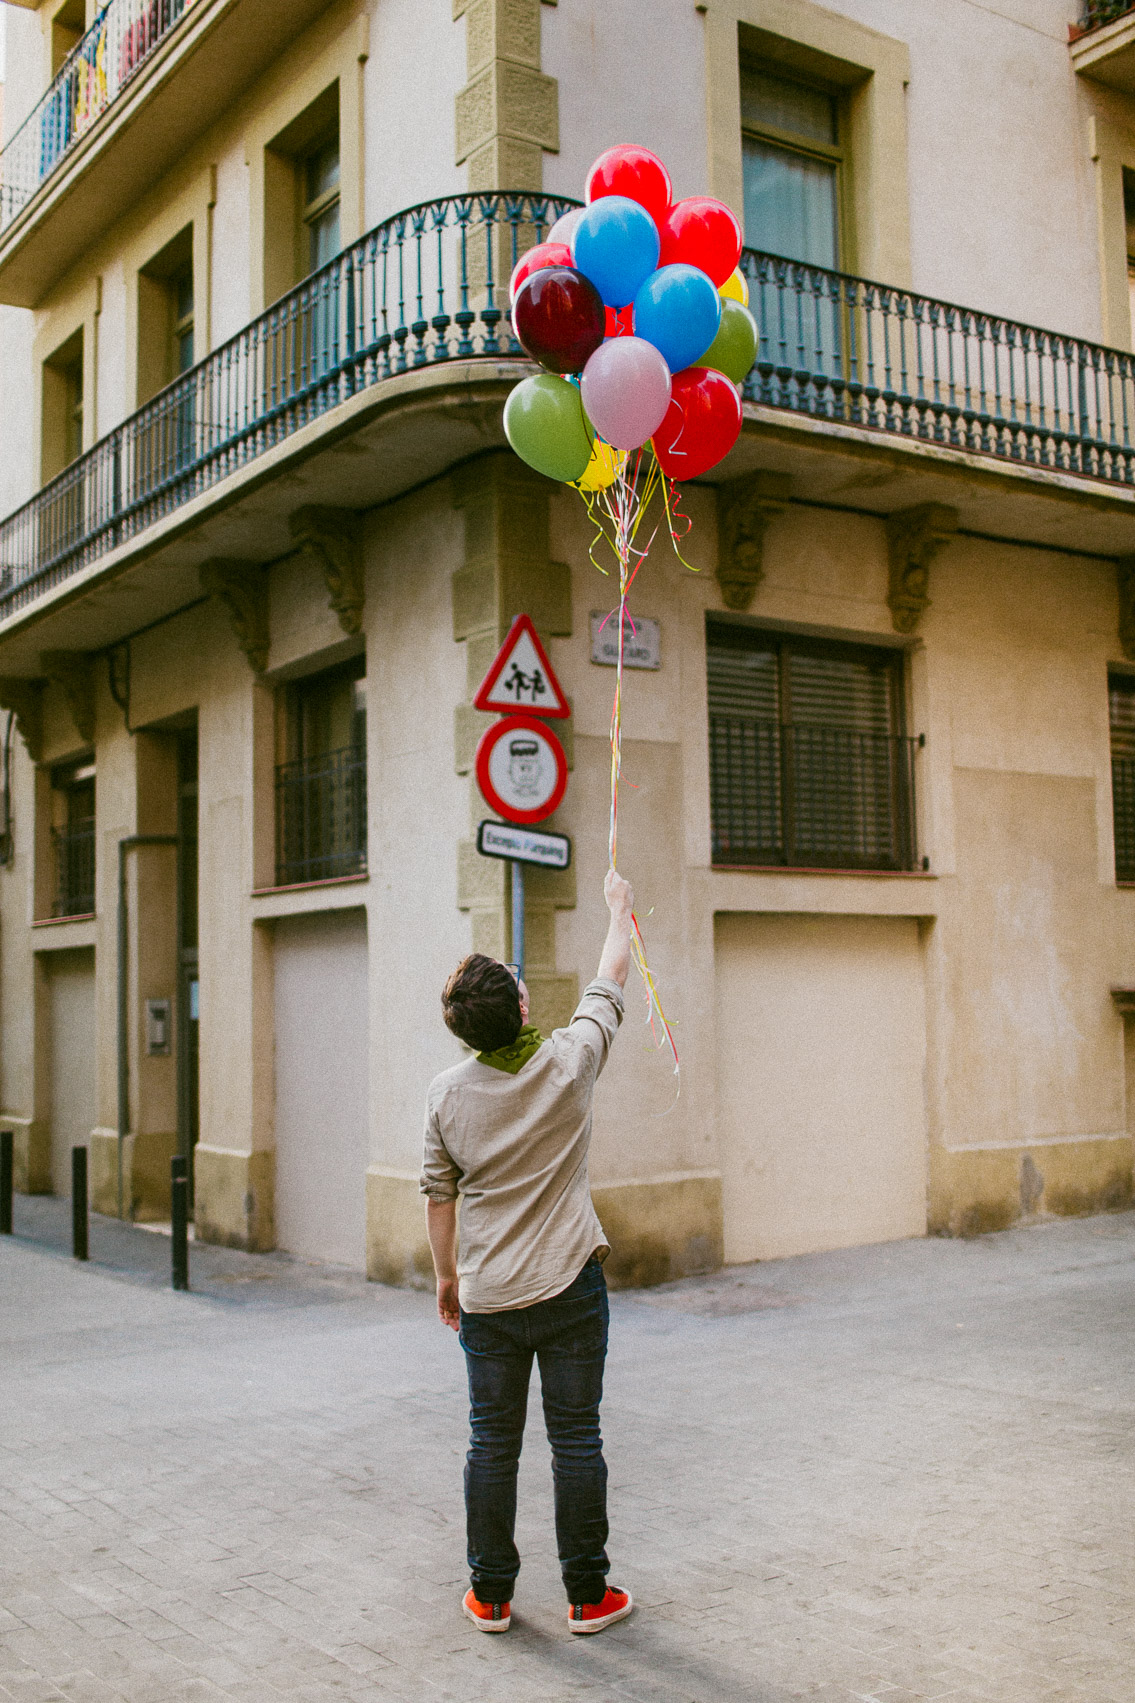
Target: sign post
521, 766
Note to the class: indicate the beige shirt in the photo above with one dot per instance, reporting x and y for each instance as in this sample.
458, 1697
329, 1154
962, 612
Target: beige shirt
515, 1149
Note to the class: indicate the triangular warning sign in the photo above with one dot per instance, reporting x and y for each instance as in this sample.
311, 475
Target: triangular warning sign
522, 678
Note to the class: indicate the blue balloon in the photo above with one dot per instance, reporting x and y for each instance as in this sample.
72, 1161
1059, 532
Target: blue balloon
678, 309
615, 244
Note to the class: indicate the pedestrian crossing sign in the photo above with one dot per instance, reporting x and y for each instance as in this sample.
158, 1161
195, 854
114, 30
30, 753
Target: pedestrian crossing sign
521, 677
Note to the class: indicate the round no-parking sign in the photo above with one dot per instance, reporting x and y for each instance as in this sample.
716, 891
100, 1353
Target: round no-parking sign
521, 769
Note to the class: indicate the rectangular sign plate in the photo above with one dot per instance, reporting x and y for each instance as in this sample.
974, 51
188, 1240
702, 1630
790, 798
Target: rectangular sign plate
523, 845
642, 643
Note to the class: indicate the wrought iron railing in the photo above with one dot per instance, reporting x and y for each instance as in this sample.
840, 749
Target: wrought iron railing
90, 79
842, 348
1123, 814
321, 816
1097, 12
74, 870
810, 797
429, 286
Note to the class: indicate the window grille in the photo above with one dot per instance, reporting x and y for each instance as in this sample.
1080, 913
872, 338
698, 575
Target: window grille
809, 766
321, 790
73, 842
1121, 695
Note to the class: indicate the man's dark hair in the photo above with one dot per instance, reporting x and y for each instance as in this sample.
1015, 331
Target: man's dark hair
481, 1004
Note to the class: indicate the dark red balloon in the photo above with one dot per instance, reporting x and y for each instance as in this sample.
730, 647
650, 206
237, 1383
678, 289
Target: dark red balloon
702, 423
634, 172
558, 317
702, 232
620, 321
544, 254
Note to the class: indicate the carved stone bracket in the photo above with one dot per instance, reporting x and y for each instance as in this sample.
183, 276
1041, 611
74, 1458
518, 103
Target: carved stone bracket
73, 672
25, 699
744, 508
914, 538
333, 538
1125, 583
242, 587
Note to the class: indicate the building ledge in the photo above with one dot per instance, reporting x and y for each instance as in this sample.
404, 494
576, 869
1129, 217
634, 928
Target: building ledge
305, 898
59, 934
1106, 53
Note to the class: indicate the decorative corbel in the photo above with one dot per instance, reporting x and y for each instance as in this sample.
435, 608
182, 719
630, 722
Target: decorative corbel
72, 672
242, 587
1125, 583
914, 538
744, 508
333, 538
25, 700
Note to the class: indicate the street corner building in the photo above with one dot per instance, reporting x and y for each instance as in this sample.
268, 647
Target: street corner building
263, 537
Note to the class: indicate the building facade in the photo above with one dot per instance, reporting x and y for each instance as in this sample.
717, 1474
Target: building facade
263, 536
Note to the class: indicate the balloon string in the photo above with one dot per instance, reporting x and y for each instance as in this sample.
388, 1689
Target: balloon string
626, 506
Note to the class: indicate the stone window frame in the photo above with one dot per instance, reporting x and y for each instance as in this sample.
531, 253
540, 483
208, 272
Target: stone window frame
810, 42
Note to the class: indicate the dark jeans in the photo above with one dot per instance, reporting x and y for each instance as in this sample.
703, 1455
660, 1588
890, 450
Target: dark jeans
568, 1336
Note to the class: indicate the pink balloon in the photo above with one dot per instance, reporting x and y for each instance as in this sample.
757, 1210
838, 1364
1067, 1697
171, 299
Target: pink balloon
626, 391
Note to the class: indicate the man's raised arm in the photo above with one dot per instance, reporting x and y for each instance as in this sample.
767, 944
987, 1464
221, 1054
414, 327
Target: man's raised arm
615, 962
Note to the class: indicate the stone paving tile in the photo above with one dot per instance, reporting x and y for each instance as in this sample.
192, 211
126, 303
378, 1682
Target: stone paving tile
822, 1488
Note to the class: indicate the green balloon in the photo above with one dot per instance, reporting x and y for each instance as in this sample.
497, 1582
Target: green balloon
734, 349
544, 422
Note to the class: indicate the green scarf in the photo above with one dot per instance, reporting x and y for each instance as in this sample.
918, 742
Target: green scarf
516, 1055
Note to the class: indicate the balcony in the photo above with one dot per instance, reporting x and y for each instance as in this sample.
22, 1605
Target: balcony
391, 364
147, 79
1103, 43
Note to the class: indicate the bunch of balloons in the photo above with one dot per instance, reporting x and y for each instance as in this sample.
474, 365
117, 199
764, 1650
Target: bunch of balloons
637, 310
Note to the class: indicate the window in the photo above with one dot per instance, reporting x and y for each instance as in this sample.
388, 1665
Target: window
792, 162
321, 828
63, 406
809, 766
320, 212
166, 441
1121, 694
73, 839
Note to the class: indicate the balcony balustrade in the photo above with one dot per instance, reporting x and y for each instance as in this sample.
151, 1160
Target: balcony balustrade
93, 75
430, 286
1098, 12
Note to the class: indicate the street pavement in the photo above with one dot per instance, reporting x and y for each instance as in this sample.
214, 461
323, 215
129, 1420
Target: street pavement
899, 1472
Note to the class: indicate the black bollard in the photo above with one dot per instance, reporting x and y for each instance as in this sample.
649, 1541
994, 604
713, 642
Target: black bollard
79, 1220
6, 1141
179, 1221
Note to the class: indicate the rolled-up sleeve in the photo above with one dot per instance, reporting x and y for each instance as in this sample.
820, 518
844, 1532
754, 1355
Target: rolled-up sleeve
595, 1022
440, 1175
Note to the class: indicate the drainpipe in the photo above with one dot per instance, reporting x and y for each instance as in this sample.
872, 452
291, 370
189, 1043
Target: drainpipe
124, 846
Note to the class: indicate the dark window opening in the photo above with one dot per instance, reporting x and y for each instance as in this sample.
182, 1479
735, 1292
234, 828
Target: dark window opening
809, 763
321, 826
73, 839
1121, 696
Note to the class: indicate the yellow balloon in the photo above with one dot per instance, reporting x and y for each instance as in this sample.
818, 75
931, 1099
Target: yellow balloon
736, 288
603, 468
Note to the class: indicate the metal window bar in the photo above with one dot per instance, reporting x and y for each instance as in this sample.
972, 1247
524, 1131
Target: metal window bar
1123, 808
1097, 12
321, 817
802, 795
430, 285
74, 870
91, 78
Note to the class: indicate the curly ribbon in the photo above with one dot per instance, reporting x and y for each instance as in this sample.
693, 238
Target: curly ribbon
618, 512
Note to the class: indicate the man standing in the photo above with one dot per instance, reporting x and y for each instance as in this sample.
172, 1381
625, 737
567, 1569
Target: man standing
508, 1131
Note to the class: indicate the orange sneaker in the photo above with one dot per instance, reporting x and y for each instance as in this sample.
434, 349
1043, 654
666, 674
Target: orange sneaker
594, 1616
487, 1616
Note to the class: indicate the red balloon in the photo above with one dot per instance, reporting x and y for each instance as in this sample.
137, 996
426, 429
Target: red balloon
702, 423
636, 173
620, 321
544, 254
558, 317
702, 232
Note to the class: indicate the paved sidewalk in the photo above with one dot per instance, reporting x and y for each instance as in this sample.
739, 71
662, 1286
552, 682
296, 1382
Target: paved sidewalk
902, 1472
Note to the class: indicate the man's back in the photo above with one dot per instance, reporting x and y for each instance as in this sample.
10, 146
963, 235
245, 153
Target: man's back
514, 1146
